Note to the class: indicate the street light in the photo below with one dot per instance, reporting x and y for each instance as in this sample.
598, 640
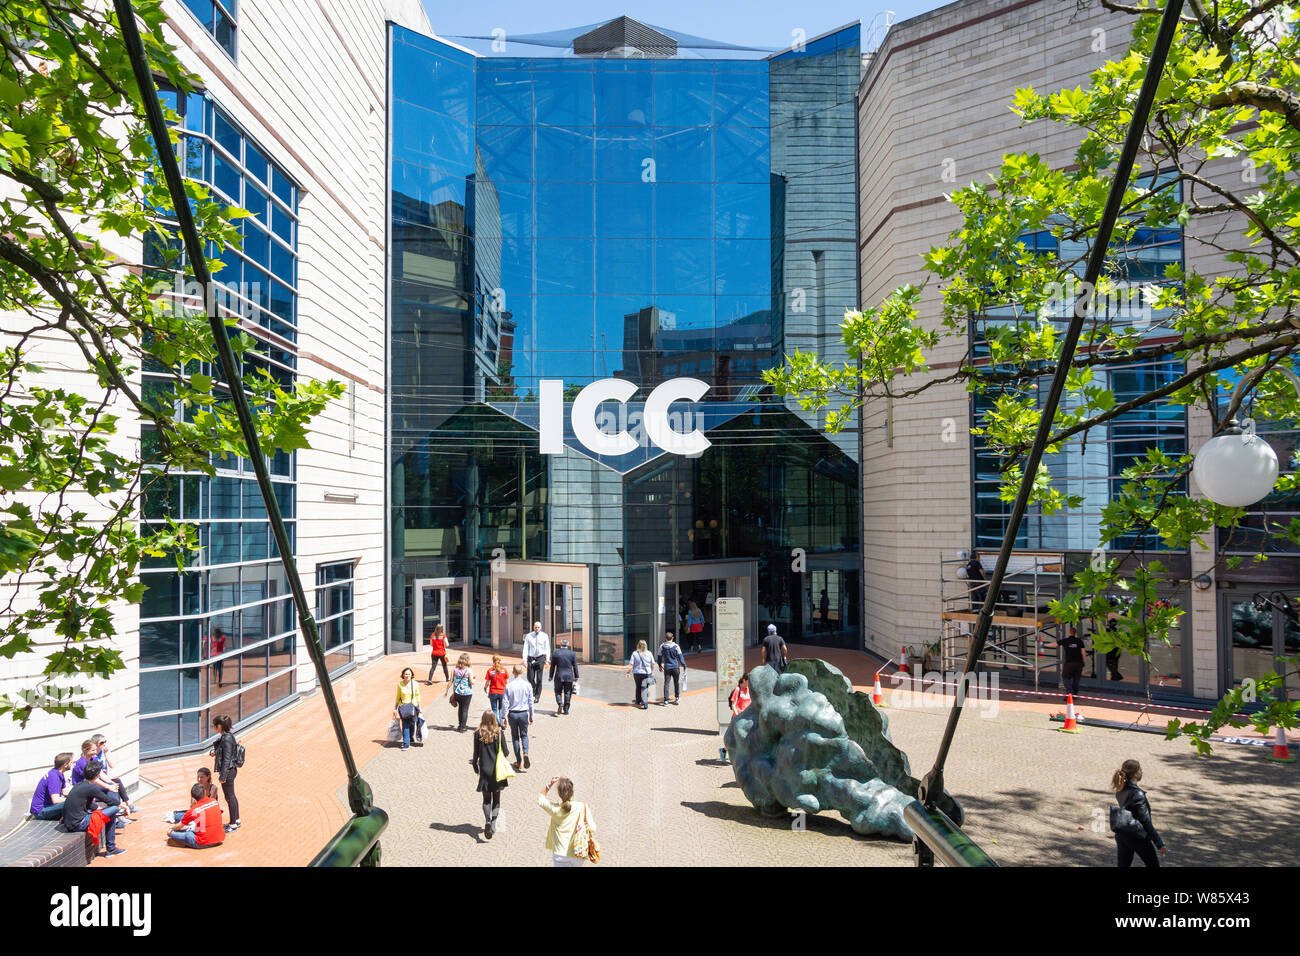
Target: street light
1237, 468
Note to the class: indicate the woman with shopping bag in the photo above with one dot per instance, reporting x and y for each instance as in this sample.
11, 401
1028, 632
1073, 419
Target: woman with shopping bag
571, 837
407, 707
493, 768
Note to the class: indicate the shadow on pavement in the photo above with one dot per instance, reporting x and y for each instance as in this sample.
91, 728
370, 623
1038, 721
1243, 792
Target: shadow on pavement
468, 829
828, 824
686, 730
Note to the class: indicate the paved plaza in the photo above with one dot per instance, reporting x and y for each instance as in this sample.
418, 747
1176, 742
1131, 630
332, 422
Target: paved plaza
661, 797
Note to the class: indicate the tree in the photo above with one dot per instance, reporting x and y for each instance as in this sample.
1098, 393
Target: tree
1228, 92
79, 195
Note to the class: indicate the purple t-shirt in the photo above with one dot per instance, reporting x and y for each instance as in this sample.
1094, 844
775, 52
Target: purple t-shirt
52, 783
79, 769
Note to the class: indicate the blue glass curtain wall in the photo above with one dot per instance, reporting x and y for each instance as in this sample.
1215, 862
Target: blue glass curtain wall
585, 219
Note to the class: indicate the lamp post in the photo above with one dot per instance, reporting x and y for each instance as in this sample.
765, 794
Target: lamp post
1237, 468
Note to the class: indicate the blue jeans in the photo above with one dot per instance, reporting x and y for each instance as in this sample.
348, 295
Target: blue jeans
110, 829
408, 730
53, 812
519, 731
188, 837
498, 702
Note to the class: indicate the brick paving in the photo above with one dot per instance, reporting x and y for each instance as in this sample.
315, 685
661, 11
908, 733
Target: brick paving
661, 797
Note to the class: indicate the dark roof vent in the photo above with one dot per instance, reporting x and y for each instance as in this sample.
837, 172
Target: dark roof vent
626, 38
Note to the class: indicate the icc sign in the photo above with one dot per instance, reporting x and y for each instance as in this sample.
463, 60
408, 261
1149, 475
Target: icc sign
655, 419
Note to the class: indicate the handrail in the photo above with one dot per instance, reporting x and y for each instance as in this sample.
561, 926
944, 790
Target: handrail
938, 837
356, 844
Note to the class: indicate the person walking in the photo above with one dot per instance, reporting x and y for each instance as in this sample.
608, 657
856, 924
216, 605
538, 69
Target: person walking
495, 680
694, 625
225, 754
672, 662
438, 653
461, 690
1072, 663
564, 826
406, 708
537, 654
519, 711
564, 673
641, 666
774, 650
739, 698
1141, 838
488, 742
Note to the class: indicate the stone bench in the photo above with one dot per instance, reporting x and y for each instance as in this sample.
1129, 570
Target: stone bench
26, 842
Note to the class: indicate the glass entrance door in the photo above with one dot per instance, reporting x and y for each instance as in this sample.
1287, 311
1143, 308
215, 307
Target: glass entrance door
442, 604
558, 606
1257, 638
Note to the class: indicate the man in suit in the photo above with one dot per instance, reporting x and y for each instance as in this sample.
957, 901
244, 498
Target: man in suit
564, 671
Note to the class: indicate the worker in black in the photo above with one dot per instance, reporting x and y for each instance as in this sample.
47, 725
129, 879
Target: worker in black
1072, 665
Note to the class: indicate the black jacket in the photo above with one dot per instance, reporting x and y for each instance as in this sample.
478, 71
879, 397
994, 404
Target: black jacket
82, 798
223, 753
564, 665
484, 763
1134, 799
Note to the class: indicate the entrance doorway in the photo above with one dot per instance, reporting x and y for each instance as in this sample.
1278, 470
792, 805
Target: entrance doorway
557, 605
688, 610
555, 594
442, 601
1255, 639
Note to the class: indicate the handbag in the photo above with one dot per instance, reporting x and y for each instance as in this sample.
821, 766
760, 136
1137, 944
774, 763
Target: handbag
584, 842
406, 711
504, 771
1123, 821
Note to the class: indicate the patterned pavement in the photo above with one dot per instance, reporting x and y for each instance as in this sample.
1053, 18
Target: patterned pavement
660, 796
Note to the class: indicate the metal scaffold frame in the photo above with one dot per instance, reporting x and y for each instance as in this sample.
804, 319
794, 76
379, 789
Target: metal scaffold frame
1019, 630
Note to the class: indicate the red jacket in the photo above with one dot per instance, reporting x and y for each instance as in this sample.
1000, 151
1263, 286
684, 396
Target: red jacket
206, 817
98, 820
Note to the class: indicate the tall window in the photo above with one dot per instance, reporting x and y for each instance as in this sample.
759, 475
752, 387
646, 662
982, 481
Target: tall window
219, 636
218, 18
334, 613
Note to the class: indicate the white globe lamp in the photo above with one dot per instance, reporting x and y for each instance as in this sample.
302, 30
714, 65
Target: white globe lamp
1235, 469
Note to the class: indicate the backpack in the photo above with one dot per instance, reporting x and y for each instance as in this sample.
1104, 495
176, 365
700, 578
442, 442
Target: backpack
239, 755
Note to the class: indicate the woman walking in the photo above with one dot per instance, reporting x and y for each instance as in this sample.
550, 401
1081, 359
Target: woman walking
1141, 838
568, 820
461, 690
694, 625
488, 743
438, 652
495, 681
224, 754
407, 707
640, 667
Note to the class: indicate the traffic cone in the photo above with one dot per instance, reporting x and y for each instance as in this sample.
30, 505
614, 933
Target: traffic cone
1281, 753
1071, 725
902, 661
877, 695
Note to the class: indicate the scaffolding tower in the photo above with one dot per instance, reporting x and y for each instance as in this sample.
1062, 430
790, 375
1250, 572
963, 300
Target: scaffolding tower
1023, 637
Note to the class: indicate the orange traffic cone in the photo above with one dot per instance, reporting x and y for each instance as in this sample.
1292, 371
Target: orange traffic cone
902, 661
1281, 753
877, 695
1071, 725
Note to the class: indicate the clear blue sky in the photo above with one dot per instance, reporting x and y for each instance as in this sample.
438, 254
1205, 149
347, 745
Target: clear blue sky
763, 23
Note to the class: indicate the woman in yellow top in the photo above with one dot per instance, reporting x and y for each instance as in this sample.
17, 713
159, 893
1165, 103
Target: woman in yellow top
407, 707
564, 820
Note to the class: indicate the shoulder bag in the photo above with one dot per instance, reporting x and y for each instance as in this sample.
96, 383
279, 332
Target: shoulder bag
504, 771
1123, 821
584, 841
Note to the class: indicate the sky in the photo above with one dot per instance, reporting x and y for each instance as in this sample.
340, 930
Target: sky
761, 23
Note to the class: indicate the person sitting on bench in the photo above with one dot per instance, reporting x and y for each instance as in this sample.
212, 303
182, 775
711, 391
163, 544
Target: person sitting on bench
47, 801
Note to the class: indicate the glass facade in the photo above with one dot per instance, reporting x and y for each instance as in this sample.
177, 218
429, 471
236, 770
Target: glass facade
334, 613
1090, 465
220, 636
644, 219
